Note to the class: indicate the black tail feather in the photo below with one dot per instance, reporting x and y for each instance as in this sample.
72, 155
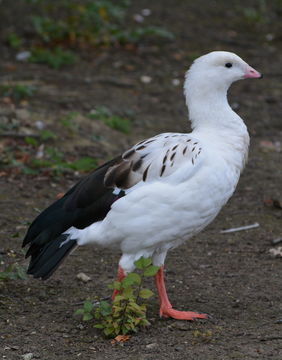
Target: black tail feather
45, 260
85, 203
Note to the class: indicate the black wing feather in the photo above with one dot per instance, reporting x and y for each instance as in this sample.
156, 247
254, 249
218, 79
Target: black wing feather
73, 206
85, 203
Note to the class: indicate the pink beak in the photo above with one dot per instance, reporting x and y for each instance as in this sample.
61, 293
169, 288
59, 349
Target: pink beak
252, 73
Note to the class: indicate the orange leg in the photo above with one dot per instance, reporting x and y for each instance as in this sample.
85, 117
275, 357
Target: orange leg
120, 277
166, 309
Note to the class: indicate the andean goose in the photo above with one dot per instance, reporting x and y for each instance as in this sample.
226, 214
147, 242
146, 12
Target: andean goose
160, 192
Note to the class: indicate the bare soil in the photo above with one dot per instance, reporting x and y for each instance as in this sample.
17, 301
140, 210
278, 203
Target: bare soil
233, 277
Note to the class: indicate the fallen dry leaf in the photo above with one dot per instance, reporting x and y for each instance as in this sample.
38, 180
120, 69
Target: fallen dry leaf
24, 103
130, 47
267, 145
6, 100
268, 202
177, 56
22, 157
120, 339
10, 67
277, 203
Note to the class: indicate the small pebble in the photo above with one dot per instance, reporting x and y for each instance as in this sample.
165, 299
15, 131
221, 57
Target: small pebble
146, 12
178, 348
175, 82
138, 18
83, 277
181, 325
39, 125
22, 114
276, 252
15, 347
269, 37
23, 55
235, 106
145, 79
151, 346
27, 356
40, 152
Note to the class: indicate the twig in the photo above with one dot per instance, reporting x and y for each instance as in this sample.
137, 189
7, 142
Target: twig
139, 288
100, 59
94, 303
114, 81
276, 241
123, 316
271, 338
18, 135
247, 227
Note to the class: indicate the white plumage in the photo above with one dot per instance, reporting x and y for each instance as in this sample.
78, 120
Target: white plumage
164, 211
173, 185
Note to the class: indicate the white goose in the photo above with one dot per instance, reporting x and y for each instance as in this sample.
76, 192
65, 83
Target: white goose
160, 192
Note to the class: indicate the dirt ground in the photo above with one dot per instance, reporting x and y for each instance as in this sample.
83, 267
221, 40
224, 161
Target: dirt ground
233, 277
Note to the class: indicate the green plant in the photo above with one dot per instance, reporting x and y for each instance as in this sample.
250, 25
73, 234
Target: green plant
258, 14
31, 141
14, 41
47, 135
49, 29
55, 161
203, 336
9, 125
69, 122
87, 310
127, 312
84, 164
72, 24
13, 272
22, 158
116, 122
55, 58
135, 35
17, 92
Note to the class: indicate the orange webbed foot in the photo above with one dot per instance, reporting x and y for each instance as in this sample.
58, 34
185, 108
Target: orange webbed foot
181, 315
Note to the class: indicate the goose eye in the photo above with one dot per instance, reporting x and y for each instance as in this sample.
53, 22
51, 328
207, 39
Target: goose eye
228, 65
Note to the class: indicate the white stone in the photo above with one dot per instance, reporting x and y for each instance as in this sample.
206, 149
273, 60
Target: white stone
146, 12
27, 356
145, 79
23, 55
83, 277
